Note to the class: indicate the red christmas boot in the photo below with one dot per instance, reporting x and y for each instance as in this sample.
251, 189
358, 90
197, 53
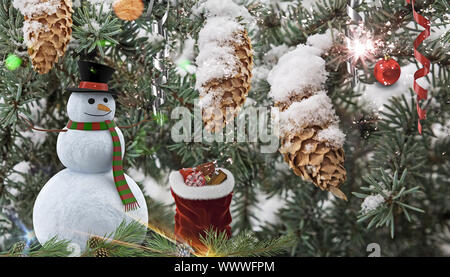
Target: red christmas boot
200, 206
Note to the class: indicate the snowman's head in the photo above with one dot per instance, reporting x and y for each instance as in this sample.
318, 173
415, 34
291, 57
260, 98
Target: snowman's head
91, 107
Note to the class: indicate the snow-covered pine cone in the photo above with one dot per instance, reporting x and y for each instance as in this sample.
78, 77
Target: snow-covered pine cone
47, 30
311, 141
225, 63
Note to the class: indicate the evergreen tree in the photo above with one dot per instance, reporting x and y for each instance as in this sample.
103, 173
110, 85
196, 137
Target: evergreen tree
397, 180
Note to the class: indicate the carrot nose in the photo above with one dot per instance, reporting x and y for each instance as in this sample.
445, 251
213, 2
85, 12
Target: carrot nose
102, 107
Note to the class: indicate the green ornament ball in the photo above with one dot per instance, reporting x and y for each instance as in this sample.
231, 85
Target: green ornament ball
13, 62
184, 64
104, 43
160, 118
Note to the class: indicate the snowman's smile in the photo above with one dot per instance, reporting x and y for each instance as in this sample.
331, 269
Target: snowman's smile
99, 114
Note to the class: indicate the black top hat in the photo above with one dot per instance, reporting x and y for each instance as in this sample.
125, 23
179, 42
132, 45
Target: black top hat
94, 77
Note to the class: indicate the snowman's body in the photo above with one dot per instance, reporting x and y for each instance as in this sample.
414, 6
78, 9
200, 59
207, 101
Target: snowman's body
82, 200
74, 205
87, 151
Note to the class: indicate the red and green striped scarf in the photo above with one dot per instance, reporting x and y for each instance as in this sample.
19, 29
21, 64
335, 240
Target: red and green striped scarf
122, 187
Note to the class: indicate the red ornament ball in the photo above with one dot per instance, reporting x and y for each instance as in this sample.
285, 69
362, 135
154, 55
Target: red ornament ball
387, 71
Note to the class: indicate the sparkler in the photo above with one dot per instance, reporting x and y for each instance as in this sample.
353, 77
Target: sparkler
351, 34
28, 235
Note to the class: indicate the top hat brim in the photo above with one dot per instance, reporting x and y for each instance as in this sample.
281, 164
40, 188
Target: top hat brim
91, 90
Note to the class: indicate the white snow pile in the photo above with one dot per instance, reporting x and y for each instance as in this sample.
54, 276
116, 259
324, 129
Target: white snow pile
296, 71
216, 58
372, 202
32, 27
221, 8
270, 59
215, 62
36, 7
299, 73
218, 30
315, 110
322, 41
332, 135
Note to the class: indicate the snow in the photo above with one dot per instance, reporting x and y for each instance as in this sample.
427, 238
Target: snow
32, 27
221, 8
310, 4
371, 202
76, 3
93, 25
273, 55
21, 168
37, 138
36, 7
260, 73
211, 99
438, 31
266, 210
314, 110
270, 59
218, 30
374, 96
280, 5
301, 72
151, 37
441, 131
322, 41
216, 57
105, 5
295, 71
332, 135
215, 62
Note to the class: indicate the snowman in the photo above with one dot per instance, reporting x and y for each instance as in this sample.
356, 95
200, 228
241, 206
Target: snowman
93, 195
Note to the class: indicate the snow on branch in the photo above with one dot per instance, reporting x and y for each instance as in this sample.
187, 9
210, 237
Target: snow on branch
296, 71
36, 7
221, 8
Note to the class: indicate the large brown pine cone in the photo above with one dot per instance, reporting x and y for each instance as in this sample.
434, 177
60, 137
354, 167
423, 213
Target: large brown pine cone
234, 90
313, 160
49, 42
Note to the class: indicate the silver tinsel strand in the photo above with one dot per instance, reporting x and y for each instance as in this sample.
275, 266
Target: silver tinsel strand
158, 61
351, 34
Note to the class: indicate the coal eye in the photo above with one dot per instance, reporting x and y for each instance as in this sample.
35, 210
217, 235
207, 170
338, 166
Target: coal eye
91, 101
105, 100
